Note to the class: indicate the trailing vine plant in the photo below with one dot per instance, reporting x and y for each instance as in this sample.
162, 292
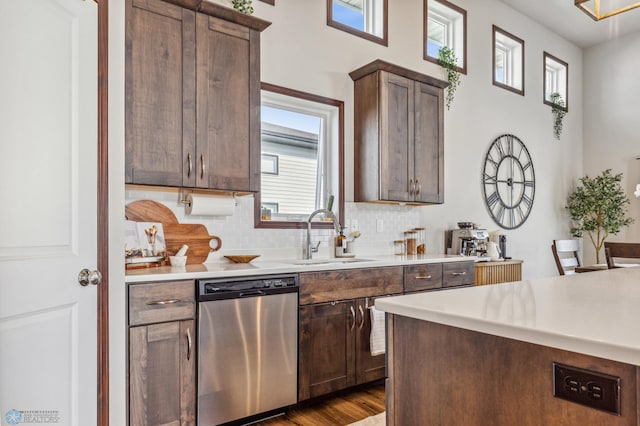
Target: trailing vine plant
243, 6
447, 60
559, 110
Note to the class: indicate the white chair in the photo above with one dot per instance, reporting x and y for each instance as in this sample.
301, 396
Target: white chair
565, 253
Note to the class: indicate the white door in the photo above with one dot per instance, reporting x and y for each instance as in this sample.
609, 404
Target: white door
48, 158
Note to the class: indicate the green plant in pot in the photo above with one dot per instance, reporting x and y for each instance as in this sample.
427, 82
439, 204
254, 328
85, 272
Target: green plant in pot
559, 110
244, 6
447, 60
599, 208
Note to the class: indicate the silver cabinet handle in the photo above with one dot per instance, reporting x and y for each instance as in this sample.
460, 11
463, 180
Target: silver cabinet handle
362, 317
188, 344
201, 166
189, 165
86, 277
353, 315
163, 302
411, 187
418, 187
455, 274
423, 277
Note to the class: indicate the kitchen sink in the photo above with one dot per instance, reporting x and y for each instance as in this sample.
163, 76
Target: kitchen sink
331, 261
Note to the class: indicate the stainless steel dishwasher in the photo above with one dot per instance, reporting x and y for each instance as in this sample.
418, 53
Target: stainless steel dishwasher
247, 347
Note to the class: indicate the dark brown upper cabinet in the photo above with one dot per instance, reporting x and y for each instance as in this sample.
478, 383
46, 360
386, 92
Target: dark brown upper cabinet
363, 18
445, 24
193, 96
399, 135
508, 61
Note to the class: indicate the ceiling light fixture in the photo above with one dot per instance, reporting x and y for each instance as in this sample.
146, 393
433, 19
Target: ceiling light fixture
610, 7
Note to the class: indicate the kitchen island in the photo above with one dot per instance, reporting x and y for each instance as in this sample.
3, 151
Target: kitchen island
497, 354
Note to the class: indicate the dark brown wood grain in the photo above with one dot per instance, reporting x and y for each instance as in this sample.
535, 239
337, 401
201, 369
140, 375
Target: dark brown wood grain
368, 367
149, 211
399, 135
427, 276
456, 274
436, 370
328, 286
196, 236
145, 309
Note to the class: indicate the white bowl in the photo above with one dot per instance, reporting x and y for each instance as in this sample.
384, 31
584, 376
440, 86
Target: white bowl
178, 260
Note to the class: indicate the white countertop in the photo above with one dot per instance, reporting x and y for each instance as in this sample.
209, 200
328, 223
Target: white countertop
258, 267
595, 313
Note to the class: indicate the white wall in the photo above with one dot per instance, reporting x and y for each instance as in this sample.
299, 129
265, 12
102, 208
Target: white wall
611, 120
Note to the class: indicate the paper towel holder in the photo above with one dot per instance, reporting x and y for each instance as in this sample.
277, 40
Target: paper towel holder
186, 202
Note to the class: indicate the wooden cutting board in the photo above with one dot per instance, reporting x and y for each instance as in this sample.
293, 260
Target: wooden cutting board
196, 236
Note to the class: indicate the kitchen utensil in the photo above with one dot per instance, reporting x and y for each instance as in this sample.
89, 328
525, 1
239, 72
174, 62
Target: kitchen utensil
196, 236
242, 258
183, 250
178, 260
493, 251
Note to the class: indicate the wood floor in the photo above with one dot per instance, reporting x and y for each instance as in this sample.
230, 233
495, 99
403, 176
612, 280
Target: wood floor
339, 410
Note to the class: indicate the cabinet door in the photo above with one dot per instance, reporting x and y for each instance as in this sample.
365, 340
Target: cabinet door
456, 274
368, 367
327, 361
396, 138
160, 94
228, 98
422, 277
428, 151
162, 374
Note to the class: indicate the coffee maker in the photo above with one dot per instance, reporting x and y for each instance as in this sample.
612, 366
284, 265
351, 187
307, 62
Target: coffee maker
467, 241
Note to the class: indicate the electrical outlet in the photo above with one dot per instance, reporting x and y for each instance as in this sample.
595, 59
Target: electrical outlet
586, 387
379, 225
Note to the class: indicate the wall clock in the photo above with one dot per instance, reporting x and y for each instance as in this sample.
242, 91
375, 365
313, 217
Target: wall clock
509, 183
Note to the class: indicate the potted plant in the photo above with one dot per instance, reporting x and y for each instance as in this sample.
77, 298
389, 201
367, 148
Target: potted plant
243, 6
559, 110
447, 60
599, 208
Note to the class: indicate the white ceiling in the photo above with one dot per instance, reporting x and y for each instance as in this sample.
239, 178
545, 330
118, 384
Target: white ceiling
565, 19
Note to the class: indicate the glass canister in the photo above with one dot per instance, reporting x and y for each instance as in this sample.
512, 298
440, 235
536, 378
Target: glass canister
410, 242
398, 247
421, 240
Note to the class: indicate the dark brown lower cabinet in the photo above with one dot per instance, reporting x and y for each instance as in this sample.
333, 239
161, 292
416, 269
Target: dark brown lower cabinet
162, 374
334, 348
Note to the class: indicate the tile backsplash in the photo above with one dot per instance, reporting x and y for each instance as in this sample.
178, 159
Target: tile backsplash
379, 225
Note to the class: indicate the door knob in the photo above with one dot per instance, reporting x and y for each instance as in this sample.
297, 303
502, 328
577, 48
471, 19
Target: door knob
86, 277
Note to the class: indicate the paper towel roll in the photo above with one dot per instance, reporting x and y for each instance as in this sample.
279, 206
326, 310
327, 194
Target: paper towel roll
210, 205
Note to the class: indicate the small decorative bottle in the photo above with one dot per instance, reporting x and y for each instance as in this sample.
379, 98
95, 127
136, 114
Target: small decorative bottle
341, 243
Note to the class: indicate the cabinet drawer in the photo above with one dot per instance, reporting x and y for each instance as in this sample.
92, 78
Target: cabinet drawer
327, 286
422, 277
457, 274
159, 302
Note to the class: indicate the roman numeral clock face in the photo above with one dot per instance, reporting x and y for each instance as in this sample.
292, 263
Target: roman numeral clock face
508, 181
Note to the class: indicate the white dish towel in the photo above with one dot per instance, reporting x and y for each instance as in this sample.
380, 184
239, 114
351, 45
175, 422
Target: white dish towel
377, 339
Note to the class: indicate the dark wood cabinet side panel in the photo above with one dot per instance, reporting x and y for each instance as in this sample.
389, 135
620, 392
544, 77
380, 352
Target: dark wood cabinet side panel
326, 349
154, 92
327, 286
368, 367
366, 136
509, 382
188, 357
429, 144
396, 143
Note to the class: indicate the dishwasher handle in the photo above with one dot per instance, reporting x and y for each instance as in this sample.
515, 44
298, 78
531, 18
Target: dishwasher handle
252, 293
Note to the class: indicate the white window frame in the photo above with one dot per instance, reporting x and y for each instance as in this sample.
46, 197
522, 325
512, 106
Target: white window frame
454, 19
512, 48
556, 79
374, 15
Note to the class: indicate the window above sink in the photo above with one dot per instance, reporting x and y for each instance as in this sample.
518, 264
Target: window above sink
301, 158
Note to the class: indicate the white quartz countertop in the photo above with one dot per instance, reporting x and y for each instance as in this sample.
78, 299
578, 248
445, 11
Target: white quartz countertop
258, 267
595, 313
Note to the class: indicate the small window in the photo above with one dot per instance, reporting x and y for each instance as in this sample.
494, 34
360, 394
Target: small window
508, 61
445, 24
556, 79
272, 207
364, 18
269, 164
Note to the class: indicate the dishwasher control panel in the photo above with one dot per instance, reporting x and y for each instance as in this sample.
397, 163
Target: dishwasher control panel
230, 288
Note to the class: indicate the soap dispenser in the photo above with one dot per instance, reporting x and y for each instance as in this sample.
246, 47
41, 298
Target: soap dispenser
341, 243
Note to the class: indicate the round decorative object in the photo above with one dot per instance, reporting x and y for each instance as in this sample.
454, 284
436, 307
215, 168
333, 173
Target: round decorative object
508, 181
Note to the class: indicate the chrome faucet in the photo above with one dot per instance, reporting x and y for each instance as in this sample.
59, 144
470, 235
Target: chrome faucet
309, 247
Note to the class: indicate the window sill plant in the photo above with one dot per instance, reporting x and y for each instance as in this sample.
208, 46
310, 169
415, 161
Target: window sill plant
447, 60
559, 110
